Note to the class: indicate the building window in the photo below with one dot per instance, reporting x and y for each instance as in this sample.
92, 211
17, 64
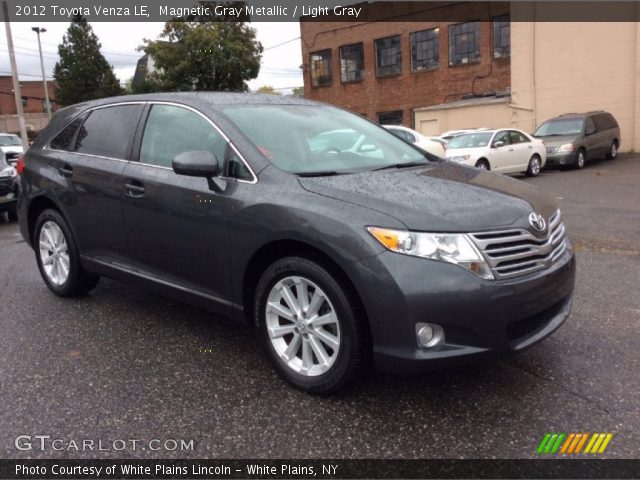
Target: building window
321, 68
388, 56
464, 43
425, 49
501, 36
352, 63
390, 118
25, 101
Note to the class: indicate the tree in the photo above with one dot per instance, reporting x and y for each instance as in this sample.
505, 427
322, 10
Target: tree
268, 90
82, 73
298, 91
200, 53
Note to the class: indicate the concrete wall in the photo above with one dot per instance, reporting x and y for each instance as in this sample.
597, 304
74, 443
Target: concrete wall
561, 67
435, 122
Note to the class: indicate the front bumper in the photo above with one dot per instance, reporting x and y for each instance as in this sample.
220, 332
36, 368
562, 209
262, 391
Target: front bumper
561, 159
8, 194
478, 316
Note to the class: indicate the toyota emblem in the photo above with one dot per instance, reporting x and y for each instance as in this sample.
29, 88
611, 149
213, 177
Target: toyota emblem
537, 221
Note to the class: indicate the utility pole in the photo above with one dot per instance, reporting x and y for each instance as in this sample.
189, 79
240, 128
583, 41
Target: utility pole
14, 73
39, 30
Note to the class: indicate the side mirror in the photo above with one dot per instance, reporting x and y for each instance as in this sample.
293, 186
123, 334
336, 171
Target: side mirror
198, 163
498, 144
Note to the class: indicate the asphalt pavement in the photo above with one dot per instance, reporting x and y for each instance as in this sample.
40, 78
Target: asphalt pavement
124, 364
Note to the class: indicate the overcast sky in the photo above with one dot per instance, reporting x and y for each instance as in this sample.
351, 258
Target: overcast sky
280, 65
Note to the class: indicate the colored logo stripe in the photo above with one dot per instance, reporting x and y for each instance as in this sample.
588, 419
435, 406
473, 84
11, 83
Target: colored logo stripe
556, 442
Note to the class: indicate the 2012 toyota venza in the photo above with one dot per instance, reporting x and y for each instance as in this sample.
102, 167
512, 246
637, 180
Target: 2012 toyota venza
339, 241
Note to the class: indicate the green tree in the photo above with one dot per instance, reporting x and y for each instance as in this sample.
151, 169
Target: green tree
198, 53
82, 73
268, 90
298, 91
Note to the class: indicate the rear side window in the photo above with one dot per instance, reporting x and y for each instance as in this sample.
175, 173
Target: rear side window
172, 130
63, 141
604, 121
517, 137
107, 131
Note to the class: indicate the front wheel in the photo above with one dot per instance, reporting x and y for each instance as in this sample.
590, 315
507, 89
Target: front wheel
535, 165
310, 325
58, 258
580, 159
482, 164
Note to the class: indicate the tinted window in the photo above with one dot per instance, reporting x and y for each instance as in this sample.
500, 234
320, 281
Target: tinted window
502, 137
590, 126
464, 43
517, 137
172, 130
237, 168
63, 140
425, 49
604, 121
108, 131
388, 56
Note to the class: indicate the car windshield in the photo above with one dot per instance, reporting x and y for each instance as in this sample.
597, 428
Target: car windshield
308, 139
471, 140
564, 126
7, 140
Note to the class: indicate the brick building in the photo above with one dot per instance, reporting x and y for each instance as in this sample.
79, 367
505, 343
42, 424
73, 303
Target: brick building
386, 69
33, 104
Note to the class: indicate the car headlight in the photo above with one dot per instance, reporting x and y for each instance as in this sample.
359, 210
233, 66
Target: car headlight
8, 172
454, 248
460, 158
567, 147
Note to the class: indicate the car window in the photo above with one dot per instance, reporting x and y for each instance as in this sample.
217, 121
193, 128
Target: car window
604, 121
171, 130
9, 140
63, 141
502, 137
310, 139
560, 126
517, 137
108, 131
470, 140
237, 168
590, 127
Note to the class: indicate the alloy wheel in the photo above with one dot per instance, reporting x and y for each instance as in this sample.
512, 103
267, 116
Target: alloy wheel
54, 253
580, 160
303, 326
535, 166
614, 150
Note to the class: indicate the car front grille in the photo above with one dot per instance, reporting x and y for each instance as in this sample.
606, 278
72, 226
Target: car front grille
512, 253
552, 149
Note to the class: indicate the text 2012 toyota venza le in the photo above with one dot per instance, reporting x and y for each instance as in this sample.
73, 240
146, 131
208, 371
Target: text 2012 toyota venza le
341, 242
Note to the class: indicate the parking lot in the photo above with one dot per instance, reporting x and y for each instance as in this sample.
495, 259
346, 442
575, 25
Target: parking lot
124, 363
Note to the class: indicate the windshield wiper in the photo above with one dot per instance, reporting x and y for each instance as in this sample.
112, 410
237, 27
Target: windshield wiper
319, 173
401, 165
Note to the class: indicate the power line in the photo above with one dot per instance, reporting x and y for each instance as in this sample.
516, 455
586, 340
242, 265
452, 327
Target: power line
280, 44
26, 75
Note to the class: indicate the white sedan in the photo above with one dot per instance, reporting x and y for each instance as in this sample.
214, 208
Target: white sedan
431, 146
503, 151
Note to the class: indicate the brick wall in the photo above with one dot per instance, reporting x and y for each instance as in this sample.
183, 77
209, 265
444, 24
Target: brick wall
409, 89
32, 89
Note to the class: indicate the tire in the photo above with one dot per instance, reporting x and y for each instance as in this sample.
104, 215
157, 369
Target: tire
52, 238
534, 167
581, 159
613, 151
318, 358
482, 164
12, 215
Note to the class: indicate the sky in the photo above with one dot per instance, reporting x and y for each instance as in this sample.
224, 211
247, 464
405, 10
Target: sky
280, 65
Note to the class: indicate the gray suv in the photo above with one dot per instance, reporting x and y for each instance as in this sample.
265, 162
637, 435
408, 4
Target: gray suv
574, 138
251, 206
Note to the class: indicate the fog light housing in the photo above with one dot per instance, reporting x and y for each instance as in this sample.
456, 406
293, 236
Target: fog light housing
429, 335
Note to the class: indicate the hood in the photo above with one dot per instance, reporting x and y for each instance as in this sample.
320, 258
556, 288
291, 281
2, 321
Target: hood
441, 198
11, 148
558, 140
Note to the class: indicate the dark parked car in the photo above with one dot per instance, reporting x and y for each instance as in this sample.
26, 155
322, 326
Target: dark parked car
574, 138
8, 189
337, 255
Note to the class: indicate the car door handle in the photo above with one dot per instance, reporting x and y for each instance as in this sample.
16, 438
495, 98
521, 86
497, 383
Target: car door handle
65, 170
134, 188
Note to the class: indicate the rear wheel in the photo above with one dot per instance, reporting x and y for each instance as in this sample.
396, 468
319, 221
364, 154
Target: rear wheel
309, 325
482, 164
581, 159
613, 151
535, 165
58, 258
